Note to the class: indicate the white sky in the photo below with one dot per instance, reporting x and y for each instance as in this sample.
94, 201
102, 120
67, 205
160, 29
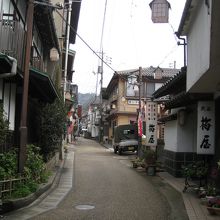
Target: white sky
130, 38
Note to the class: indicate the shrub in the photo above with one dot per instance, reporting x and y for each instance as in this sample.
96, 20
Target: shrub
52, 118
8, 164
21, 190
3, 126
149, 156
34, 167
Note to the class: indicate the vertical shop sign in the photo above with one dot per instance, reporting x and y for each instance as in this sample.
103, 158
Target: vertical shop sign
206, 128
151, 123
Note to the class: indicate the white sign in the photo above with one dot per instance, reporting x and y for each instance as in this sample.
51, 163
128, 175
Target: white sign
133, 102
206, 128
151, 123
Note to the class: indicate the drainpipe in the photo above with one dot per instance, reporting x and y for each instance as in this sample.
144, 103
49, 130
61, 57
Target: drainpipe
13, 69
184, 46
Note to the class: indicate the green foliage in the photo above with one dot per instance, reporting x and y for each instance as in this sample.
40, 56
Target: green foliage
34, 167
34, 171
196, 169
138, 162
8, 164
149, 156
52, 122
21, 190
3, 126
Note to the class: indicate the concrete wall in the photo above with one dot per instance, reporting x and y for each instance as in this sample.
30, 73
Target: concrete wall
198, 45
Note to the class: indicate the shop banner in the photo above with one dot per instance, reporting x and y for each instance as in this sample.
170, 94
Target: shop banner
206, 128
151, 123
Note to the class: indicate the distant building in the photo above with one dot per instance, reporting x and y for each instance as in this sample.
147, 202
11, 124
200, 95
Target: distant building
121, 98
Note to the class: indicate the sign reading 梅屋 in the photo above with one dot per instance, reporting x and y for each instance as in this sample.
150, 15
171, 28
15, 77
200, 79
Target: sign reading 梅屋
151, 123
206, 128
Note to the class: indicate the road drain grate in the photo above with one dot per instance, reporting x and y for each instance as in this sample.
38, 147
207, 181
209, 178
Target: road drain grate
84, 207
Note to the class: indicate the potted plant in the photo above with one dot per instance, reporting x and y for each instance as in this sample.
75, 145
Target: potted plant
213, 205
138, 162
150, 161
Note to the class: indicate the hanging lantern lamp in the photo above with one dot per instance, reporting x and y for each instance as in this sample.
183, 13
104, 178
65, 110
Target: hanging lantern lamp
160, 11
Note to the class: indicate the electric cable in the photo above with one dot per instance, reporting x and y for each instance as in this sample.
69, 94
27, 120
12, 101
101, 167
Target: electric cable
84, 41
168, 54
174, 32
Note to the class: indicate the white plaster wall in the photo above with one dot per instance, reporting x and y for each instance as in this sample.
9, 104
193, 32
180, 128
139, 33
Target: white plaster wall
186, 134
198, 45
170, 136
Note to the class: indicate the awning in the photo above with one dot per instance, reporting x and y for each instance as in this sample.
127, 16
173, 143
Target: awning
184, 99
5, 64
41, 86
166, 118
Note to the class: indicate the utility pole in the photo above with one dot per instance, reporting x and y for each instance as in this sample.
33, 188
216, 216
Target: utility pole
67, 47
23, 125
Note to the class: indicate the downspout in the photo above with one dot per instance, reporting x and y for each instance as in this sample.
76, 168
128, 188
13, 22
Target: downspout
184, 46
13, 69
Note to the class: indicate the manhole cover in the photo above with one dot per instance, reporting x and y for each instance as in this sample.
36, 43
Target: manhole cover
84, 207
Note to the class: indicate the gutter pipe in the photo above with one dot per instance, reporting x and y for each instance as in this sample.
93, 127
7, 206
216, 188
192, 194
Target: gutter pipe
184, 46
13, 69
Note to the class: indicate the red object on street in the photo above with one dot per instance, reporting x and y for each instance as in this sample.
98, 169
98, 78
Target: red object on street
140, 130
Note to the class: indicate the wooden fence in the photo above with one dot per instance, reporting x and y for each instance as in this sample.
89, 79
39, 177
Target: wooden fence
8, 186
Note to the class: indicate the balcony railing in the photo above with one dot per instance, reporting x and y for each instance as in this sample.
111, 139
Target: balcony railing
12, 36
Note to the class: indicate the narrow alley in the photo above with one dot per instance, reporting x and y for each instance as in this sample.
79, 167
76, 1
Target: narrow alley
105, 186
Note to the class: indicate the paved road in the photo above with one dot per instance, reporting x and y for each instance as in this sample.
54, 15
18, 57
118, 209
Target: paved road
105, 187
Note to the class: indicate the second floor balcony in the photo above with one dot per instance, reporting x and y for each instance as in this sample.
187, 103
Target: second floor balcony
12, 43
12, 38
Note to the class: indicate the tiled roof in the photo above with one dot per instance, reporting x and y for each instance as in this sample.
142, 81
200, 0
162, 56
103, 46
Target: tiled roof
149, 71
184, 99
175, 84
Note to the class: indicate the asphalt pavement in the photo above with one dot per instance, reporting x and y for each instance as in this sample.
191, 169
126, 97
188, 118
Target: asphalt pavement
97, 184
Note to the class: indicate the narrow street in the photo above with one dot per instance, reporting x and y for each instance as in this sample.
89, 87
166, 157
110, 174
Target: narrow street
105, 186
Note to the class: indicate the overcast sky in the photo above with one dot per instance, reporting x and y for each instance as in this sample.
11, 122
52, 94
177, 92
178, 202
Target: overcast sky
130, 38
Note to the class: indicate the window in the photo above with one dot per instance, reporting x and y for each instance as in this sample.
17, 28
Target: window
127, 132
131, 90
150, 89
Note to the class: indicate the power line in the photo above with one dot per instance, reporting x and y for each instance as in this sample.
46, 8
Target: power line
174, 32
171, 51
85, 41
103, 25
